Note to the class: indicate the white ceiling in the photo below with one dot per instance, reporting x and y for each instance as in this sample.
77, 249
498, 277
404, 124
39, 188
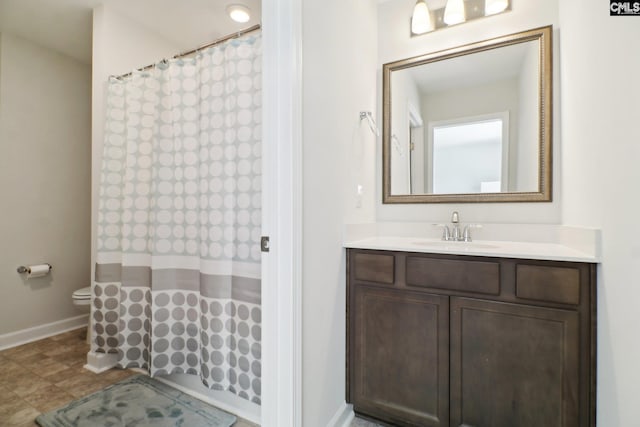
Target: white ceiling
65, 25
472, 70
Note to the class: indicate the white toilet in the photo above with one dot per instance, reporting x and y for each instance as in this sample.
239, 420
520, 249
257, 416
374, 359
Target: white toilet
82, 299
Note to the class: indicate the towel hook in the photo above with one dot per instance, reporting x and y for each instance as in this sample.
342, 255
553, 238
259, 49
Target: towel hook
372, 124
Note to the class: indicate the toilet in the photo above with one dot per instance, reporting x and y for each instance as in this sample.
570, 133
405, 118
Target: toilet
82, 300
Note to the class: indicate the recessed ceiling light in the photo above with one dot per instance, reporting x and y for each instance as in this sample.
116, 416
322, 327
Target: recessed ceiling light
238, 12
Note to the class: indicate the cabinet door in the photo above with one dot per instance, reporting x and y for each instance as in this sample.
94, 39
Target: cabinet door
513, 365
399, 356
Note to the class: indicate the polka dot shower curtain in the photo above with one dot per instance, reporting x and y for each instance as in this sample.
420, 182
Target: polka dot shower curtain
177, 286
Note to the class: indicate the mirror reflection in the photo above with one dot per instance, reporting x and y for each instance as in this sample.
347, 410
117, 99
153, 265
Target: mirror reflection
479, 145
470, 122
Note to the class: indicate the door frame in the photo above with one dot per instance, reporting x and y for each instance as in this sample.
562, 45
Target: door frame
282, 213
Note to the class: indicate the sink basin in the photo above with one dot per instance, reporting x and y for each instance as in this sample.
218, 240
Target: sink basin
454, 245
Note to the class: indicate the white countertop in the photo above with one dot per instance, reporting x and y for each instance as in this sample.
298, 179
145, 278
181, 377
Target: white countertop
502, 249
570, 246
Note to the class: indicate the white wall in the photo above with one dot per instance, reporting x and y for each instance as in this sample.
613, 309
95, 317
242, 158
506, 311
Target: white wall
44, 182
395, 43
528, 129
600, 157
405, 93
120, 45
339, 81
479, 100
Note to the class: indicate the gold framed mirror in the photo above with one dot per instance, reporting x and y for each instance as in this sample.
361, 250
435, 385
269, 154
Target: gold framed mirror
470, 124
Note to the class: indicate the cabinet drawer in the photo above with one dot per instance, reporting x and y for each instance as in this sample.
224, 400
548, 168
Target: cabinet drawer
481, 277
552, 284
374, 268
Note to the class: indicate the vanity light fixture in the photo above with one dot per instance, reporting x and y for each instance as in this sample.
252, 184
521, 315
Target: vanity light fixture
421, 18
432, 15
491, 7
239, 13
454, 12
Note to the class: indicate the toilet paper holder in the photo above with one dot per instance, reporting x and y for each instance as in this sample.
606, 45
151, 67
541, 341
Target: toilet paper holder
22, 269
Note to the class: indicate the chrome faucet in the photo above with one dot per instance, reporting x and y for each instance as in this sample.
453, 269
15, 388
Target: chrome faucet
455, 234
455, 221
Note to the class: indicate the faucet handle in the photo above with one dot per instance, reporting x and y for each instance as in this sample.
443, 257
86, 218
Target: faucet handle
466, 234
446, 234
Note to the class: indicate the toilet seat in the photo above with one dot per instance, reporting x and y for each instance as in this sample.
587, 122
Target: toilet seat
83, 294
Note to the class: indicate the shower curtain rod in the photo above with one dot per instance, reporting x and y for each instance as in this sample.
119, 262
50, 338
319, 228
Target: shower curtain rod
198, 49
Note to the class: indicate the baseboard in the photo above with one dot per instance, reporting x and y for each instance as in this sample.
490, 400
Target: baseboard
343, 416
14, 339
225, 400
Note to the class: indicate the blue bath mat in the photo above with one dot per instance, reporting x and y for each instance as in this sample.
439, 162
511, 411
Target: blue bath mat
136, 402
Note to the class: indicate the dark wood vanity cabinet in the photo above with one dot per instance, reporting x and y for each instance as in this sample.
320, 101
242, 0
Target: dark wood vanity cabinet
448, 340
513, 365
392, 378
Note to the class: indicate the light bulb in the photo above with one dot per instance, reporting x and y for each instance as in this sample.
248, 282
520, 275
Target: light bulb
491, 7
239, 13
454, 12
421, 18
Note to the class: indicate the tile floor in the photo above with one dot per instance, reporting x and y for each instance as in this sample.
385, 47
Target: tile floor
360, 422
43, 375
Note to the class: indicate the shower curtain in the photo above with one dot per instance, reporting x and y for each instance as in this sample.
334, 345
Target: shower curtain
177, 286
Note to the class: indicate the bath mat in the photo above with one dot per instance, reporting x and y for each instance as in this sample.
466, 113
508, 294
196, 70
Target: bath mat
136, 402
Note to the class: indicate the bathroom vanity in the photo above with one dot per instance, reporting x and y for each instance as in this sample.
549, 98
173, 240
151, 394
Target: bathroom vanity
456, 332
442, 339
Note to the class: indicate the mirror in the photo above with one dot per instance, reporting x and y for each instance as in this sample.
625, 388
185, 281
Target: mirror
471, 123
